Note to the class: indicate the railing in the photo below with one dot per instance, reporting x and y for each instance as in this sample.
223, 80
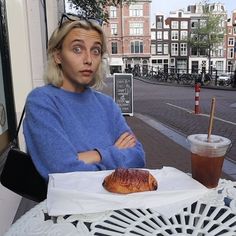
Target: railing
184, 76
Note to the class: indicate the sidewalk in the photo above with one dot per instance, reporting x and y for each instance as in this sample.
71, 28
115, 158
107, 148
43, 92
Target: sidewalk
161, 150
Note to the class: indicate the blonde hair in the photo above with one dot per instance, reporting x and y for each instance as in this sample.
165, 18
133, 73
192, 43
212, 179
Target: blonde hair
53, 72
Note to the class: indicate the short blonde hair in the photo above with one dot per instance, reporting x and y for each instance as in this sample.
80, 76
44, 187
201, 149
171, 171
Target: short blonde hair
53, 72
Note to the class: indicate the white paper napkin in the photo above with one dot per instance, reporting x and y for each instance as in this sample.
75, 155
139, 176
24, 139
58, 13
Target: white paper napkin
82, 192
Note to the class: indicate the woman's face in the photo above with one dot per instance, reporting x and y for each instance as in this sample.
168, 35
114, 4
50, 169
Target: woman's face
79, 57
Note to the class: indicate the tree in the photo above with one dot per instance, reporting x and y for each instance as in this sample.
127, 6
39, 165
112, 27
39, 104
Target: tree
96, 8
207, 34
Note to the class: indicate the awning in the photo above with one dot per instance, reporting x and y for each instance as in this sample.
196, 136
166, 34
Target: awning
116, 61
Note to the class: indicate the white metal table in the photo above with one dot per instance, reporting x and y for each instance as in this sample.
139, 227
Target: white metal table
214, 214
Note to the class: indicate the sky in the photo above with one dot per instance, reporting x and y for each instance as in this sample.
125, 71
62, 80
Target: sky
165, 6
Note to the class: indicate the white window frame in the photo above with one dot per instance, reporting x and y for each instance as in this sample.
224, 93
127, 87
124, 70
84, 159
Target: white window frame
159, 48
174, 24
230, 53
231, 41
153, 49
135, 42
165, 48
153, 35
184, 25
174, 35
114, 29
166, 35
136, 28
183, 35
136, 10
159, 35
174, 49
113, 12
183, 49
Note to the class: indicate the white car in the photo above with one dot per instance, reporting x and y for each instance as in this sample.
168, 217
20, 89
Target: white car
224, 79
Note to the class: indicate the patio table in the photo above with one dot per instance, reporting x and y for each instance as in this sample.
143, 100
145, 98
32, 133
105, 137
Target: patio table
213, 214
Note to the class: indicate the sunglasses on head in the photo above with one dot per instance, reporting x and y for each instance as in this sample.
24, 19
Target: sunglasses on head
74, 17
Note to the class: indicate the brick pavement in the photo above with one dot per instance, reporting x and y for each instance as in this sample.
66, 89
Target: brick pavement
160, 150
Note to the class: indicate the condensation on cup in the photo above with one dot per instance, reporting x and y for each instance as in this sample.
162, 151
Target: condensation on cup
207, 157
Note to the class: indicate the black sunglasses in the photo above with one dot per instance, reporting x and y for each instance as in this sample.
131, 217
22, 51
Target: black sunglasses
74, 17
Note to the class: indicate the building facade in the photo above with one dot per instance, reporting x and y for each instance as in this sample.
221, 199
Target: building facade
170, 47
230, 43
128, 33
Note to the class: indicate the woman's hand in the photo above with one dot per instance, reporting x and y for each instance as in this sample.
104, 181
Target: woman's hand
126, 140
89, 157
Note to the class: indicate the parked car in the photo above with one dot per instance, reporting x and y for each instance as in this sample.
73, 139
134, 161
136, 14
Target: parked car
224, 79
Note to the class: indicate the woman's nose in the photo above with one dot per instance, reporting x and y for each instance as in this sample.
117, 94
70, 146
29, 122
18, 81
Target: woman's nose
87, 58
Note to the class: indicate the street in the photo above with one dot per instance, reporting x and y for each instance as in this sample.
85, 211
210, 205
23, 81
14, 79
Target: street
174, 107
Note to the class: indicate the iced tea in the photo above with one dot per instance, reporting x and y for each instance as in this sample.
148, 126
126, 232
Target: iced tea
207, 170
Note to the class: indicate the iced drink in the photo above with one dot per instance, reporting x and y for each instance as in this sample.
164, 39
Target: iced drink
207, 157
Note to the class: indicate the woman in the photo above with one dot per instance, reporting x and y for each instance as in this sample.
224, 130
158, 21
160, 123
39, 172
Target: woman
69, 126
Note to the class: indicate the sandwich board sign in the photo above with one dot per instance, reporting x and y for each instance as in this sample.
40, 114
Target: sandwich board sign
123, 92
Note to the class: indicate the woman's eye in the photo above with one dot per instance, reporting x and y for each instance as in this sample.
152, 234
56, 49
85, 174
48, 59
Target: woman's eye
97, 51
77, 49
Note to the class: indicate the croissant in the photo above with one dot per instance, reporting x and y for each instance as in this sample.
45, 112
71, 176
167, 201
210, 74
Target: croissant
129, 181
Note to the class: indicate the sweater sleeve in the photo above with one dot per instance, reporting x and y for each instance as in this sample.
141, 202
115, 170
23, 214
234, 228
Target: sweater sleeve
46, 140
112, 157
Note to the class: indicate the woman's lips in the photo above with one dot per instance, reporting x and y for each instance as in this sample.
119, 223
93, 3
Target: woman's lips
86, 72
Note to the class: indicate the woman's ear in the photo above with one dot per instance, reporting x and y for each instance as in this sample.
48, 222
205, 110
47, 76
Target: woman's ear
57, 56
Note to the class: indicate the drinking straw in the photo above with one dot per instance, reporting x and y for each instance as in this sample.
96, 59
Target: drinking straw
211, 118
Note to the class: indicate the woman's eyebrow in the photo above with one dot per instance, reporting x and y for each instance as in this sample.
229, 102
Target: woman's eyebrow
83, 42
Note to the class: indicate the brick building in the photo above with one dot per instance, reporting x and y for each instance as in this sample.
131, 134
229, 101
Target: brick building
128, 34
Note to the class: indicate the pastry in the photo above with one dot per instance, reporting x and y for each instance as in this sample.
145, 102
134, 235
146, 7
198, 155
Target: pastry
130, 181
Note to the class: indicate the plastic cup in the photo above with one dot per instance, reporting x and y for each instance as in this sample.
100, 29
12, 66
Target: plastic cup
207, 157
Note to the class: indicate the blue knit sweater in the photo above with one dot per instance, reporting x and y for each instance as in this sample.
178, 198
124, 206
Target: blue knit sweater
59, 124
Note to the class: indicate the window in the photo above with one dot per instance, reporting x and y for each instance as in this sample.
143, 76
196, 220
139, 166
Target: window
174, 24
159, 22
153, 49
174, 35
234, 30
183, 49
231, 42
159, 48
183, 35
184, 25
166, 35
159, 35
114, 49
230, 52
174, 49
136, 28
230, 31
113, 12
114, 29
194, 24
219, 65
153, 35
136, 10
137, 47
166, 48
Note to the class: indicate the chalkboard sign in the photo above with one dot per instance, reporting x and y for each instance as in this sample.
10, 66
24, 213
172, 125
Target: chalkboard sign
123, 92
